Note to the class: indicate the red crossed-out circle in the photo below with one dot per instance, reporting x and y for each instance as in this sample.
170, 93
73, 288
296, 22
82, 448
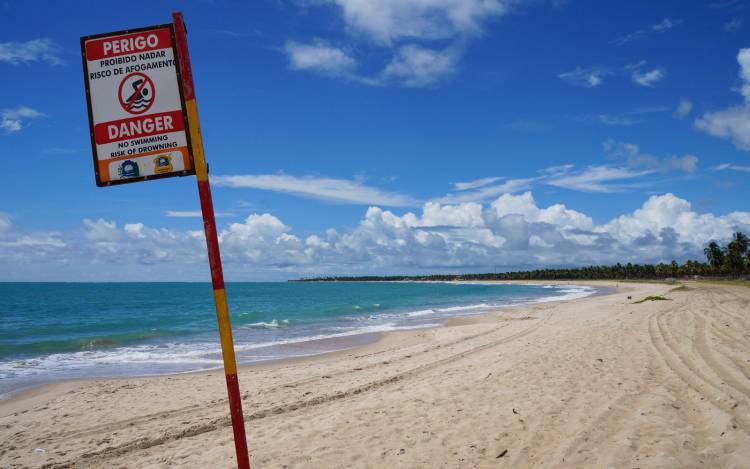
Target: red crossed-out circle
129, 106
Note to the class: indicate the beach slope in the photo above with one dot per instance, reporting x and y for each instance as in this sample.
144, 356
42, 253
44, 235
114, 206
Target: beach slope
595, 382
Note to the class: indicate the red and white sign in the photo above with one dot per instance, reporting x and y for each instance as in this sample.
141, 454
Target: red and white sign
138, 122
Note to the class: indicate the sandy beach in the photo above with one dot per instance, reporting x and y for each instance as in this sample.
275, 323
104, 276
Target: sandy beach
595, 382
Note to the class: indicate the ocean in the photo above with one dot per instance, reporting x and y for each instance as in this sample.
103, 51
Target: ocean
58, 331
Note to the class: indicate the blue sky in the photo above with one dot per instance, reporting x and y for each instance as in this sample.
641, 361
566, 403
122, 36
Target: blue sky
347, 136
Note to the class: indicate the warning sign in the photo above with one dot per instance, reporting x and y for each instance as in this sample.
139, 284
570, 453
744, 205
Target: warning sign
139, 129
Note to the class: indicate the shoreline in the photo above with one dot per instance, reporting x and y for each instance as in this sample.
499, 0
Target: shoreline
343, 343
600, 381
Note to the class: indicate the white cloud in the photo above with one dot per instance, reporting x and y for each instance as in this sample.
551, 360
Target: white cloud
597, 179
632, 117
649, 78
592, 77
36, 242
411, 66
192, 214
10, 125
633, 165
665, 25
463, 215
319, 57
556, 214
557, 170
100, 230
675, 215
184, 213
634, 169
488, 191
336, 190
475, 184
630, 173
731, 167
660, 27
587, 77
409, 29
733, 25
386, 21
623, 120
687, 163
632, 155
14, 119
743, 58
5, 222
264, 239
683, 109
513, 231
416, 66
44, 50
17, 246
138, 244
734, 122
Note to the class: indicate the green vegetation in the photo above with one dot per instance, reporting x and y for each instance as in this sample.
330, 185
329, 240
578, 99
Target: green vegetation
733, 258
731, 261
651, 298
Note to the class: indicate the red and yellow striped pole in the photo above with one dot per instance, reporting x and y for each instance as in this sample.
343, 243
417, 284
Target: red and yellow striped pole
212, 242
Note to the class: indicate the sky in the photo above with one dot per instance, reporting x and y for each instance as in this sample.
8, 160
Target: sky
390, 137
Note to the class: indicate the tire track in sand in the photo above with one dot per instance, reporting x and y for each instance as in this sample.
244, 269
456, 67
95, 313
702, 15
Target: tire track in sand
704, 349
679, 363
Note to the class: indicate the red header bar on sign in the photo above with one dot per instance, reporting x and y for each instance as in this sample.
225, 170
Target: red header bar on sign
135, 127
105, 48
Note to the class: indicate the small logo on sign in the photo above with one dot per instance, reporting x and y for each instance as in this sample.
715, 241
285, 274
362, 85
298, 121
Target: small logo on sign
128, 169
136, 93
163, 164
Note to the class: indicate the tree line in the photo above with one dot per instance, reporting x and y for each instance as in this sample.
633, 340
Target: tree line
732, 260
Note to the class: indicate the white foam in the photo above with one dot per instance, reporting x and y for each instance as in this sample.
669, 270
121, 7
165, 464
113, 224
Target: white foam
464, 308
421, 312
273, 324
572, 292
181, 355
449, 309
391, 326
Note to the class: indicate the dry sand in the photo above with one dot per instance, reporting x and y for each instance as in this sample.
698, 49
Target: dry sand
598, 382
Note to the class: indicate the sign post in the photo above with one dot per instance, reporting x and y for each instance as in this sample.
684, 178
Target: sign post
144, 125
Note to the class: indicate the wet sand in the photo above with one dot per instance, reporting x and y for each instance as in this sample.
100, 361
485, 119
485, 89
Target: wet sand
595, 382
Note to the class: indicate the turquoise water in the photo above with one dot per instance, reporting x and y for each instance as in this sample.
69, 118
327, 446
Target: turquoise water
55, 331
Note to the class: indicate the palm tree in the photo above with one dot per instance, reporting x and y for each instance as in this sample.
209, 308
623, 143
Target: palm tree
736, 250
741, 240
714, 255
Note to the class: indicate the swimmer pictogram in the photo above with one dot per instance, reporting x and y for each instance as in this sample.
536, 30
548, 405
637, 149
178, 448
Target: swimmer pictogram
136, 93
